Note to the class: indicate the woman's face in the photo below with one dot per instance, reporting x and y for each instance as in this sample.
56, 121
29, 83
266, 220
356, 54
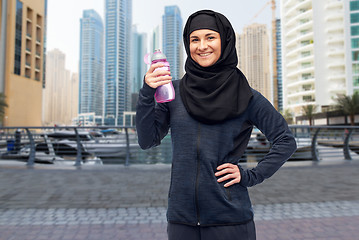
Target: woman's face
205, 47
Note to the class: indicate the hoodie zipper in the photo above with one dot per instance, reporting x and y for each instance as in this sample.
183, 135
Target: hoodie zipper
198, 171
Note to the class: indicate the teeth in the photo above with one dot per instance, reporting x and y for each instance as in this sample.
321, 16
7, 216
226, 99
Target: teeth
204, 54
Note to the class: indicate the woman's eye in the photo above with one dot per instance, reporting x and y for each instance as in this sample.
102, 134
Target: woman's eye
194, 40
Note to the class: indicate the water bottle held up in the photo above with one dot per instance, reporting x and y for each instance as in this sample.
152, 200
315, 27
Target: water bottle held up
164, 93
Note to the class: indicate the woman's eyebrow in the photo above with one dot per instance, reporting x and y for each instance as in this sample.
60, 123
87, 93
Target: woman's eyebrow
208, 34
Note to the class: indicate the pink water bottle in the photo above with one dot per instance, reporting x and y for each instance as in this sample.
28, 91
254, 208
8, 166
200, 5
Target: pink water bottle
164, 93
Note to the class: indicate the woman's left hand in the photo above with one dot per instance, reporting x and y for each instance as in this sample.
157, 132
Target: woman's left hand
230, 171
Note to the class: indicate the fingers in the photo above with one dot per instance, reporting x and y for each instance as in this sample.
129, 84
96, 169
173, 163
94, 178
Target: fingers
225, 165
157, 75
231, 172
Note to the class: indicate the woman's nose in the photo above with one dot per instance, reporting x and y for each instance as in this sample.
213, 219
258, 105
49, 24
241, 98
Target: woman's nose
203, 45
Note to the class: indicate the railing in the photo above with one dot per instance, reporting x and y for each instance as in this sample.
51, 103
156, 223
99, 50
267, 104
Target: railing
118, 145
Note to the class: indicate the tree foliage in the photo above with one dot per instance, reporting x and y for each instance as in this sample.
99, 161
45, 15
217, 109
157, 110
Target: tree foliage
3, 105
308, 111
349, 104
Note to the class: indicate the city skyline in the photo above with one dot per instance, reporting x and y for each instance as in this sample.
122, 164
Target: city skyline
146, 16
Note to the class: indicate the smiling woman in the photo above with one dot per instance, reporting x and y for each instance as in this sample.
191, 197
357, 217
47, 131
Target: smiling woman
205, 47
211, 122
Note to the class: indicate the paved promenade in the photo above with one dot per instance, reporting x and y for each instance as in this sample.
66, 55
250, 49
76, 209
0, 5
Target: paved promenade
301, 201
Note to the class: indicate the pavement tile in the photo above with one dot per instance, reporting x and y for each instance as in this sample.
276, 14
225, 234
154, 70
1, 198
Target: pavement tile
305, 201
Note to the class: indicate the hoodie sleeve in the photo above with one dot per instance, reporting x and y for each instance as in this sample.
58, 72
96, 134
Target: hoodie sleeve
271, 123
152, 120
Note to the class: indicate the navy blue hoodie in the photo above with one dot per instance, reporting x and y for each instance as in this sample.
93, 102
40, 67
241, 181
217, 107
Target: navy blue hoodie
195, 197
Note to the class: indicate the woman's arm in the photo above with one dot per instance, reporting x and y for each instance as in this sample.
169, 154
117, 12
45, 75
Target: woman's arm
152, 120
271, 123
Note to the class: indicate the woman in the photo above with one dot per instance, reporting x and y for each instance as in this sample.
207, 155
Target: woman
211, 120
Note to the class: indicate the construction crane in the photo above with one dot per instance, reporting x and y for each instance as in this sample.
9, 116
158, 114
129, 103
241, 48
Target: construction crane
274, 48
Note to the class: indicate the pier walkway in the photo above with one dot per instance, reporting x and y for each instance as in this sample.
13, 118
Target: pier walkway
301, 201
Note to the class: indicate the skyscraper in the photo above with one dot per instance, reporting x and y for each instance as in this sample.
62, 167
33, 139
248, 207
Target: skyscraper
351, 21
156, 40
279, 66
91, 64
117, 94
22, 43
139, 68
172, 40
313, 53
58, 94
253, 45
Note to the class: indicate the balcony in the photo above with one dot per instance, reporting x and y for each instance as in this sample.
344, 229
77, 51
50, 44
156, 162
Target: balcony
300, 38
301, 71
300, 93
333, 4
300, 82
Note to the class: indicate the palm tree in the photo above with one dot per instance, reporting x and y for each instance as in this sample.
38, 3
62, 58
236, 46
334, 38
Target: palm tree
308, 111
349, 105
3, 105
288, 116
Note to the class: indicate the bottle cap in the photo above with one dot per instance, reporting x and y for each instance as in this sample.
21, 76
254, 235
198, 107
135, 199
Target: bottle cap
157, 55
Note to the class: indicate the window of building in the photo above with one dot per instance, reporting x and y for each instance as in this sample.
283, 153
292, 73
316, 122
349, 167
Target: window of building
354, 5
355, 67
355, 43
354, 18
354, 30
304, 43
305, 54
306, 76
306, 64
307, 87
308, 99
18, 33
356, 81
355, 55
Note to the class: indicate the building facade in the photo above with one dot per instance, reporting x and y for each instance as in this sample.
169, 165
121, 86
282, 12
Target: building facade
139, 67
22, 45
117, 94
253, 57
59, 93
351, 20
172, 40
279, 66
156, 40
313, 53
91, 79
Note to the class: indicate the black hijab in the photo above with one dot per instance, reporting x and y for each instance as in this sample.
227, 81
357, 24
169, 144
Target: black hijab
219, 92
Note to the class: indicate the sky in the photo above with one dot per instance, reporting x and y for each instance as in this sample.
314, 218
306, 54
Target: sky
63, 18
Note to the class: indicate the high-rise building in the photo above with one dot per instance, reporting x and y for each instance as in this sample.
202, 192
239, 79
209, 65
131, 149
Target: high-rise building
253, 48
351, 22
156, 41
172, 40
279, 81
139, 67
74, 96
59, 91
313, 53
22, 44
117, 94
91, 78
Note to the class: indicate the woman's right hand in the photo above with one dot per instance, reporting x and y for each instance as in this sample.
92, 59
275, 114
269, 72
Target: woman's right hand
154, 79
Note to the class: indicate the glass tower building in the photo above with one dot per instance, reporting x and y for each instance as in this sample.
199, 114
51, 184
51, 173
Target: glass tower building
172, 40
279, 65
139, 68
117, 94
91, 63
